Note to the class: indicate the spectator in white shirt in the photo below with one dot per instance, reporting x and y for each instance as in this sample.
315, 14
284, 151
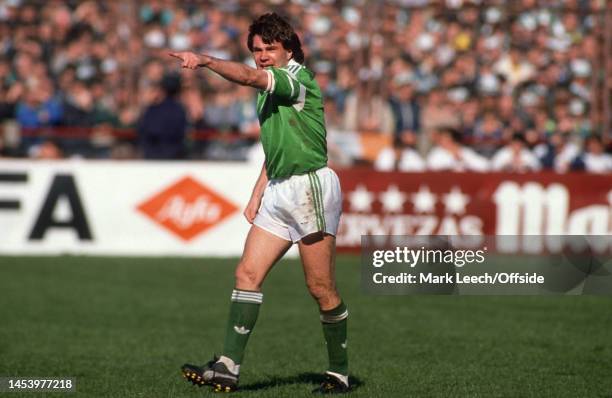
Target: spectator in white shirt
402, 156
515, 157
594, 160
515, 67
449, 154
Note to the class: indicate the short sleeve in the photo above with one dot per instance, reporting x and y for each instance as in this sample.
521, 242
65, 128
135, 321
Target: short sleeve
284, 84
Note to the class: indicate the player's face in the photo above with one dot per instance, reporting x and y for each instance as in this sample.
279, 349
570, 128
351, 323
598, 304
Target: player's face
269, 54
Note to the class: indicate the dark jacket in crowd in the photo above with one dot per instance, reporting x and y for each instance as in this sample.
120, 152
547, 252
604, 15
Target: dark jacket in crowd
161, 130
407, 115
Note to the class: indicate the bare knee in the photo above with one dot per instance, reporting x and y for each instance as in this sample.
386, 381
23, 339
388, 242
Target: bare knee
324, 293
247, 278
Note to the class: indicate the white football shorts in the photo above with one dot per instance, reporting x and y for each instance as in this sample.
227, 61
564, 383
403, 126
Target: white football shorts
300, 205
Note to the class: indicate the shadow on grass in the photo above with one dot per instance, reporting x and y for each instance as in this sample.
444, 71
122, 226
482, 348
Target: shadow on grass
303, 378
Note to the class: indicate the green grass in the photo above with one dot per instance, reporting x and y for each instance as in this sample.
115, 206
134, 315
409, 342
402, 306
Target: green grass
123, 327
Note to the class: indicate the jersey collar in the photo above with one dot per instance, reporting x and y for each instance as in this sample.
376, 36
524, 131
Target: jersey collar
293, 62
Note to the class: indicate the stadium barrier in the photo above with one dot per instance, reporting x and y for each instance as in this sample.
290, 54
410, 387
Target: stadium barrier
534, 204
195, 208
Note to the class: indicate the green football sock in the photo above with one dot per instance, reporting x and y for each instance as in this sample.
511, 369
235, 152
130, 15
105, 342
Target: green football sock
334, 329
243, 315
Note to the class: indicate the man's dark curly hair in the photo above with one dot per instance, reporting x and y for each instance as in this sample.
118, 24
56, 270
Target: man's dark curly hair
272, 27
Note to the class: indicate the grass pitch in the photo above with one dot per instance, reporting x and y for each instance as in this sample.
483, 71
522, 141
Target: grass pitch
124, 326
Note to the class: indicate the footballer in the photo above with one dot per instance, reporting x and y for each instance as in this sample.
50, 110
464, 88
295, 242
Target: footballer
296, 199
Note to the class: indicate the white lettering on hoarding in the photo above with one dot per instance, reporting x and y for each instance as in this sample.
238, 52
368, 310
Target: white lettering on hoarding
538, 215
185, 214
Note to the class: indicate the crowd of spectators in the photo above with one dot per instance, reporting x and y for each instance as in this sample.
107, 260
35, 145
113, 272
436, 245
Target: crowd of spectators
454, 84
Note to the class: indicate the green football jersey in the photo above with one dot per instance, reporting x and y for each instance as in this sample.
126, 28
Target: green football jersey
292, 122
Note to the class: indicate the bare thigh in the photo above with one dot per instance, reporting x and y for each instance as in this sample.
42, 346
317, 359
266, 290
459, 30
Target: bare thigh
262, 250
318, 253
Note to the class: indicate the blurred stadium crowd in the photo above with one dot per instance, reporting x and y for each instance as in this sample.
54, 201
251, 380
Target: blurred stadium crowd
409, 84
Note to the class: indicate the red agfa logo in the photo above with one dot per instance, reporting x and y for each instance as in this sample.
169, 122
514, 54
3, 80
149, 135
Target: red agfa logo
187, 208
